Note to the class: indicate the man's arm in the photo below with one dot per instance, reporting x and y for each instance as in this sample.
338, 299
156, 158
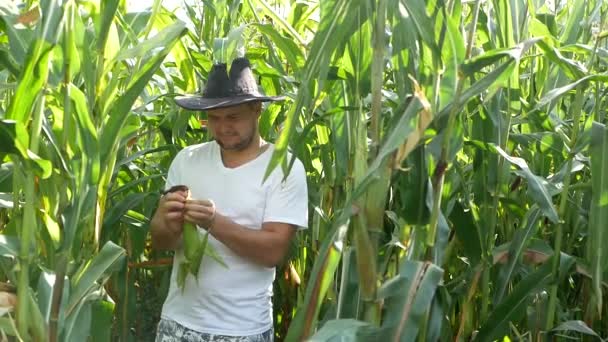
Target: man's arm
167, 223
266, 246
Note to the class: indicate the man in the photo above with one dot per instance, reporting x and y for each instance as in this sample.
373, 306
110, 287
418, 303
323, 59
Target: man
250, 222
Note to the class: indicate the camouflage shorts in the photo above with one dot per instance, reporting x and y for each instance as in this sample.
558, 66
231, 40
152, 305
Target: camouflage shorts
171, 331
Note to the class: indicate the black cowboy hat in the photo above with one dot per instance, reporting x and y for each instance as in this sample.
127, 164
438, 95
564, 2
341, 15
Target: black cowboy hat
223, 90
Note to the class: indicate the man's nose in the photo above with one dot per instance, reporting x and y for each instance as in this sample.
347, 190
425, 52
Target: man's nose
224, 128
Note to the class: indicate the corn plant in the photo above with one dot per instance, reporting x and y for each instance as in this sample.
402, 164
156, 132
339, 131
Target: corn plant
454, 151
68, 115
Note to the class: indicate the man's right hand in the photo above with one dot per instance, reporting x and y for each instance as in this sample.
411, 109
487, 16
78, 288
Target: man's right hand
171, 208
167, 223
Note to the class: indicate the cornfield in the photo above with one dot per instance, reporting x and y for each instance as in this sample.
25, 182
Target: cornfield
456, 156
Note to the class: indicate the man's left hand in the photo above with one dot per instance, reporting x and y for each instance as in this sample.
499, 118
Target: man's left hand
200, 212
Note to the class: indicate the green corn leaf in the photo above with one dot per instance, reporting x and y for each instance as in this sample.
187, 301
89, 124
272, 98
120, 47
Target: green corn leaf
108, 10
414, 187
348, 300
144, 153
408, 297
45, 293
36, 320
507, 309
406, 133
366, 255
134, 185
182, 273
578, 326
346, 330
151, 44
572, 29
537, 188
8, 62
51, 138
7, 325
119, 110
453, 55
442, 237
181, 56
86, 279
321, 278
516, 249
88, 134
36, 66
279, 19
494, 79
14, 138
557, 92
9, 246
6, 200
423, 23
19, 38
231, 47
468, 232
293, 52
506, 23
333, 29
120, 208
598, 218
77, 326
571, 68
81, 207
102, 314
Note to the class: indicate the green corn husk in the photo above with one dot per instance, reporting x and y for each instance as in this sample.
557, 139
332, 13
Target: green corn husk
194, 250
195, 247
191, 240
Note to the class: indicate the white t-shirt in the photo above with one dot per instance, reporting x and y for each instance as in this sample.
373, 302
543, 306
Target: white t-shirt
233, 301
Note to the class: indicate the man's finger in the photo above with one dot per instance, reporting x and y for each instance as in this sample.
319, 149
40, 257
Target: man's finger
203, 202
175, 196
174, 216
196, 216
173, 206
202, 215
193, 219
193, 207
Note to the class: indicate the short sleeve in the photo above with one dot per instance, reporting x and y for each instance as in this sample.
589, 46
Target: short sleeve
287, 201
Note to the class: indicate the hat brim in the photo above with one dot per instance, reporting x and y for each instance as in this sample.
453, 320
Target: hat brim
195, 102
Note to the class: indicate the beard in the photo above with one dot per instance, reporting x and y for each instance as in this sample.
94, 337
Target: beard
240, 145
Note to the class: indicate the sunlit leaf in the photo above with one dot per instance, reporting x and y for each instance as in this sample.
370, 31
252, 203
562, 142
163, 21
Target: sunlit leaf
598, 220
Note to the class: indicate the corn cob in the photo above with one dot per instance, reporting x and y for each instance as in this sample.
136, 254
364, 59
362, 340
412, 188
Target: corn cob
195, 247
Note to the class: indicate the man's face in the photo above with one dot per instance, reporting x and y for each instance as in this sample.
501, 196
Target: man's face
234, 127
